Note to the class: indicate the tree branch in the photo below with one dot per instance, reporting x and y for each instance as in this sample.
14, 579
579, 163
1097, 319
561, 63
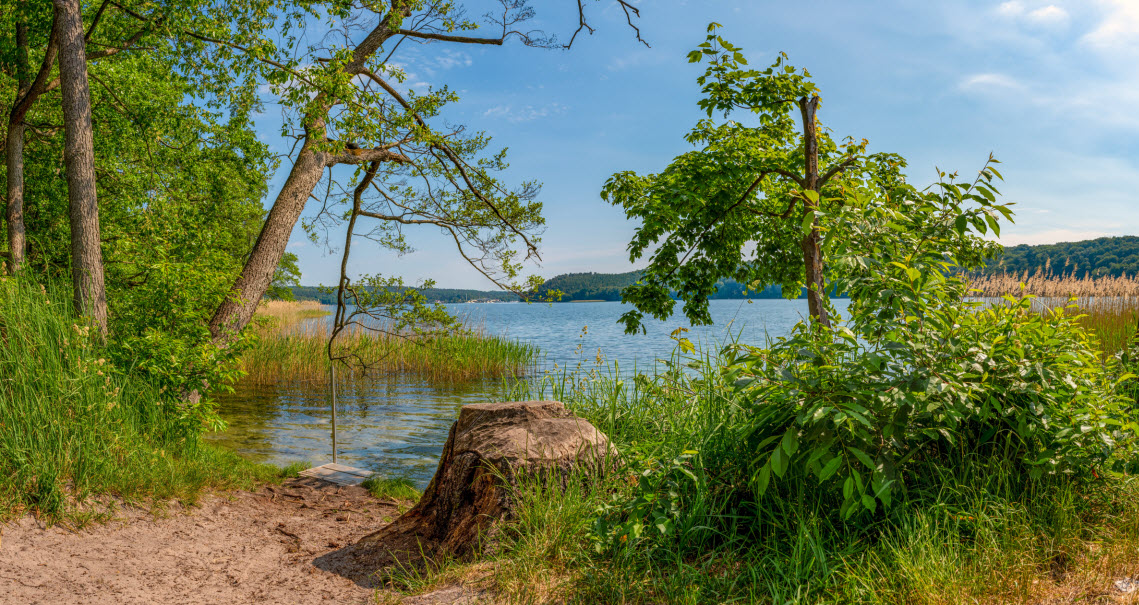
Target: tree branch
449, 38
794, 177
361, 156
837, 168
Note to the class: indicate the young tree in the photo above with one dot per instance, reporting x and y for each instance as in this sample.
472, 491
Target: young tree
79, 159
758, 190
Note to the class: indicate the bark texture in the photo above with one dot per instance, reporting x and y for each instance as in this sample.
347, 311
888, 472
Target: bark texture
14, 213
79, 161
489, 449
812, 242
14, 154
237, 310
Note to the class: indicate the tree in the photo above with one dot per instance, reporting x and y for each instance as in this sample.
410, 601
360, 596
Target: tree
31, 21
79, 159
763, 186
180, 175
347, 109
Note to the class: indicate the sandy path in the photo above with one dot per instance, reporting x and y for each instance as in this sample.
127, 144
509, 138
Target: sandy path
235, 548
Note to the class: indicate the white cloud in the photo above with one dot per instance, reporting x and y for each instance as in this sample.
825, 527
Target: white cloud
1013, 8
1119, 27
1046, 15
1052, 236
523, 114
990, 82
451, 58
1049, 15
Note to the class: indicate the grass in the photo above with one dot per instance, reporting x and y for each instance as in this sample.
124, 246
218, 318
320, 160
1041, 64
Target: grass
975, 535
75, 431
289, 348
400, 489
1109, 305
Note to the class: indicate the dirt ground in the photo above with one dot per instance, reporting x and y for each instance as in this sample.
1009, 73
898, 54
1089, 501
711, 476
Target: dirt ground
242, 547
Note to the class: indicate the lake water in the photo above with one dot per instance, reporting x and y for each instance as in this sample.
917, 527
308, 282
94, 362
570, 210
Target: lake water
397, 426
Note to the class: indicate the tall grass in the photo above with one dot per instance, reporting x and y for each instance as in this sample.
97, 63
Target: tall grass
1109, 305
73, 427
972, 535
290, 347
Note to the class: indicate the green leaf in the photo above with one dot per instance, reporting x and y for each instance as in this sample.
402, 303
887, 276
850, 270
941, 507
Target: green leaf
790, 441
830, 469
779, 462
863, 458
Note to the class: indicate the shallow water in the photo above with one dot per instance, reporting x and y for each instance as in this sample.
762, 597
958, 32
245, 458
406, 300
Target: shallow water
397, 426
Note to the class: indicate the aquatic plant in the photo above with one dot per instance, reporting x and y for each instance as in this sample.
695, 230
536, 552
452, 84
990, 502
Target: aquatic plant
289, 345
1107, 306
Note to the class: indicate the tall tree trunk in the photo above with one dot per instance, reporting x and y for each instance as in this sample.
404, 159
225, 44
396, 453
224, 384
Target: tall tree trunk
14, 214
237, 310
811, 242
14, 153
79, 161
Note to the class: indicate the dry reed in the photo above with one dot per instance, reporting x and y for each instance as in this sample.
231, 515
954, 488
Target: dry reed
291, 345
1109, 305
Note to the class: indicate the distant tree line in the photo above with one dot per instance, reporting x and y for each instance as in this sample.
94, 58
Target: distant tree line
1104, 256
443, 295
608, 286
1112, 256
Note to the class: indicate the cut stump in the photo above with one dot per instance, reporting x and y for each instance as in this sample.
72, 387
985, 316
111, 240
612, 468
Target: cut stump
490, 447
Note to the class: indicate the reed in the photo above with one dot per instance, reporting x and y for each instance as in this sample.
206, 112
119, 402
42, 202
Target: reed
289, 345
1109, 306
76, 430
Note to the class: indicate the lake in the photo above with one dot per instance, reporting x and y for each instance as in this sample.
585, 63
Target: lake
397, 426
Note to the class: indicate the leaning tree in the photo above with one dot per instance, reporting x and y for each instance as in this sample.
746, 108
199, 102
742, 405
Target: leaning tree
347, 105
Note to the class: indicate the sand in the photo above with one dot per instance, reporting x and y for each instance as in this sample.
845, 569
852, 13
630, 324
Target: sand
240, 547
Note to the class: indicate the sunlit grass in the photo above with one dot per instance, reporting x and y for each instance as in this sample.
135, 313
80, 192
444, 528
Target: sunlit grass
972, 535
74, 429
400, 489
290, 345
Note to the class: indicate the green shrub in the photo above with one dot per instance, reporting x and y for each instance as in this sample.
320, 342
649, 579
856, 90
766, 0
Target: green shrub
74, 425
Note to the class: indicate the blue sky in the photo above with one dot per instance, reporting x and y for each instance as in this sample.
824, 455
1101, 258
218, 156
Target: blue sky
1050, 87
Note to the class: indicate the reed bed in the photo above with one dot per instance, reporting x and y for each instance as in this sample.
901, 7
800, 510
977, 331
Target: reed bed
1109, 306
289, 312
290, 345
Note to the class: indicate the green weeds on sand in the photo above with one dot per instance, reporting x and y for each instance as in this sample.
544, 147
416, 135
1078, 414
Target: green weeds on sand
73, 427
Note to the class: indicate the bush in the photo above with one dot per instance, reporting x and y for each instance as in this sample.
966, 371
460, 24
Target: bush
74, 425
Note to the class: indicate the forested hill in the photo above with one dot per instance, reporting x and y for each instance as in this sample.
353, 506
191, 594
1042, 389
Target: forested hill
444, 295
1103, 256
590, 286
607, 286
1112, 256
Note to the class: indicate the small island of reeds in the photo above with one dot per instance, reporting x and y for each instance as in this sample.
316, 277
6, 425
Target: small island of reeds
290, 343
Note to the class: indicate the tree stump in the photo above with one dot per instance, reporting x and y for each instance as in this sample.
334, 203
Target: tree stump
491, 447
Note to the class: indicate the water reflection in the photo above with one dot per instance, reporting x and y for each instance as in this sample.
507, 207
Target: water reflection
397, 426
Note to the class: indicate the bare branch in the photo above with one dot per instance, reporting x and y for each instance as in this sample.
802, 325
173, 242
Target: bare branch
449, 38
794, 177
